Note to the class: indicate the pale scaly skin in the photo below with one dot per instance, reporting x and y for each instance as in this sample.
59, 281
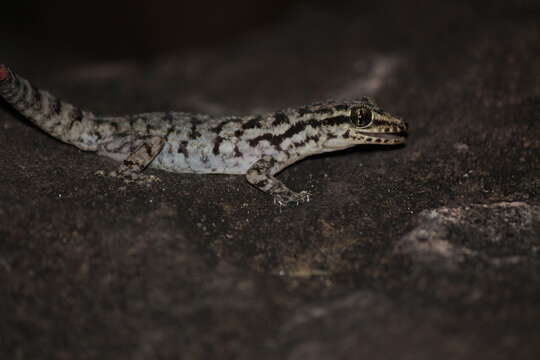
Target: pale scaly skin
257, 146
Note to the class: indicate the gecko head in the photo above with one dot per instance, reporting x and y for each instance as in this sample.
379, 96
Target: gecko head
361, 122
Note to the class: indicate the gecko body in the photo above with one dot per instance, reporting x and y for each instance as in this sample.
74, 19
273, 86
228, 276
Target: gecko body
257, 146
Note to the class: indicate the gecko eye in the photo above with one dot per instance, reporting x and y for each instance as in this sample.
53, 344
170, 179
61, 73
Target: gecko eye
361, 117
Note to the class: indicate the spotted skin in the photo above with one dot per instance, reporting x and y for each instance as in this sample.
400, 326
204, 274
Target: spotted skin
258, 146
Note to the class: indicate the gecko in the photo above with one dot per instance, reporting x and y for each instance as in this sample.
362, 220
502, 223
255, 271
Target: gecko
256, 146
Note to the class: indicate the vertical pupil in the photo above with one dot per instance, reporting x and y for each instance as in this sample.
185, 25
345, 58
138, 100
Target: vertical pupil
354, 116
361, 117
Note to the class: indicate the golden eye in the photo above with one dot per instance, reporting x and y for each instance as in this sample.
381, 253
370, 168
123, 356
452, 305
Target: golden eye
361, 117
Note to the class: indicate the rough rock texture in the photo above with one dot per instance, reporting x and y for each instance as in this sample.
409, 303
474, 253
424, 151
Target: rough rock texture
496, 234
420, 252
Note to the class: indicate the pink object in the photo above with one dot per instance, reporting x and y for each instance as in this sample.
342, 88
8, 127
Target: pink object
3, 72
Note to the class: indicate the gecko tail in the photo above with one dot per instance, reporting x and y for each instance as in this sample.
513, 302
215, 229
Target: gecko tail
3, 72
60, 119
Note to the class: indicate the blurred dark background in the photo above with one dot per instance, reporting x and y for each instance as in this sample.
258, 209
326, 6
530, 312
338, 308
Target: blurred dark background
136, 27
122, 28
428, 251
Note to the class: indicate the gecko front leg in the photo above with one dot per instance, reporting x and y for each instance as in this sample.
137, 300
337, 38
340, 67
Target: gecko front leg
141, 151
261, 175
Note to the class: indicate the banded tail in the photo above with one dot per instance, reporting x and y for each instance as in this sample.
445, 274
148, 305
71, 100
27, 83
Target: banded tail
62, 120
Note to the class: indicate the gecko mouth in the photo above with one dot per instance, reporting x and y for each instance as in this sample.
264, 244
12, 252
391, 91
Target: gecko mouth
385, 138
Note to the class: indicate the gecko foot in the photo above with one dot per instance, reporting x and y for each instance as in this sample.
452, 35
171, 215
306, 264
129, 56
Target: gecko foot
135, 178
291, 198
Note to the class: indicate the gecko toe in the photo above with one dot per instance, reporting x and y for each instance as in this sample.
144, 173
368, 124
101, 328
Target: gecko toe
291, 198
134, 178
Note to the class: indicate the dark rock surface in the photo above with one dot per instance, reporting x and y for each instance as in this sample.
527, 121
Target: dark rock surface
496, 234
421, 252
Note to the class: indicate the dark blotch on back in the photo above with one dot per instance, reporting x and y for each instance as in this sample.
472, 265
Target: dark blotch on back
37, 99
306, 140
217, 142
75, 115
238, 133
222, 124
268, 137
313, 138
237, 152
253, 123
194, 132
280, 119
304, 110
56, 107
278, 139
170, 130
182, 148
168, 117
